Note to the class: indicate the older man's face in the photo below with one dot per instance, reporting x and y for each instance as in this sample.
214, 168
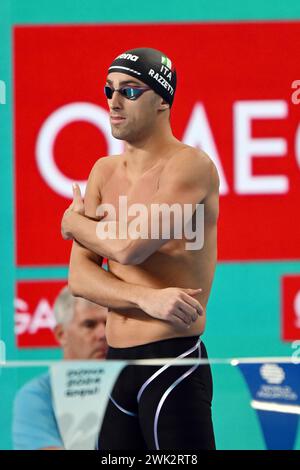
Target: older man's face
84, 336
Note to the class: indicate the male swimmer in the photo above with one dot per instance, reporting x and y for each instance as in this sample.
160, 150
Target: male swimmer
156, 288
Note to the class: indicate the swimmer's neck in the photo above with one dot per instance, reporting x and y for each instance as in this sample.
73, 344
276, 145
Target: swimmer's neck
148, 151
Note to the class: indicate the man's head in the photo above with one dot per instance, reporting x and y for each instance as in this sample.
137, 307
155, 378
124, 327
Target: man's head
152, 79
80, 327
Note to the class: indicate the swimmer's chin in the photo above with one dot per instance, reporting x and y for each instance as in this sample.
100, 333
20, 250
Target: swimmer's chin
117, 135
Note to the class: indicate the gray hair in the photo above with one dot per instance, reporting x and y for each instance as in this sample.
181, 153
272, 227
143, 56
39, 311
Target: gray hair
64, 306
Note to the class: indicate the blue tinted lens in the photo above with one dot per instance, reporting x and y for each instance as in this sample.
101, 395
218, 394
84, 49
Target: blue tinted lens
128, 92
131, 93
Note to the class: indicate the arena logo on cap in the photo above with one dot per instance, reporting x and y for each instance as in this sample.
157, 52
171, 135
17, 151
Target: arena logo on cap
132, 57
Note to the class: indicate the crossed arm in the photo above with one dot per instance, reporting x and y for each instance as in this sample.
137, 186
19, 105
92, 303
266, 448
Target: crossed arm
89, 280
185, 180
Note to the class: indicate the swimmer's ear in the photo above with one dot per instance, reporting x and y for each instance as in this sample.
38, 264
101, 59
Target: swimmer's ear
163, 105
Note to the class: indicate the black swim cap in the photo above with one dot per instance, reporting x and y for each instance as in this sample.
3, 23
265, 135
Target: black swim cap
151, 67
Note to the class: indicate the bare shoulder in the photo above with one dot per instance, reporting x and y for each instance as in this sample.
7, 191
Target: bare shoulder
104, 165
102, 170
193, 164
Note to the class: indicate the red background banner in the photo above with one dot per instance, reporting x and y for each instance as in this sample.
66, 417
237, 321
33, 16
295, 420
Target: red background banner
56, 66
34, 313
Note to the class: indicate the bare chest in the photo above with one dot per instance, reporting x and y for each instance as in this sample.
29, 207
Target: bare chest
122, 192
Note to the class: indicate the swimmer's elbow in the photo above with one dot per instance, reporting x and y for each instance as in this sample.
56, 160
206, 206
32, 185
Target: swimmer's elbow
74, 284
131, 256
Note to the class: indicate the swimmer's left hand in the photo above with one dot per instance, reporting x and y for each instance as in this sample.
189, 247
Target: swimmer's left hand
76, 206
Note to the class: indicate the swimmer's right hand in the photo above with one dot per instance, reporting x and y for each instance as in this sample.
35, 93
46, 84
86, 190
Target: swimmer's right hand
173, 304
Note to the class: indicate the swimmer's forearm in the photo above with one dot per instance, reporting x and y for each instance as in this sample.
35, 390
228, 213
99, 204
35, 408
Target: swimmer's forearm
113, 293
88, 280
124, 251
84, 230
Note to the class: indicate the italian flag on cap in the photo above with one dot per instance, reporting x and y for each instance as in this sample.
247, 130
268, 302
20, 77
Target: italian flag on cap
166, 61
